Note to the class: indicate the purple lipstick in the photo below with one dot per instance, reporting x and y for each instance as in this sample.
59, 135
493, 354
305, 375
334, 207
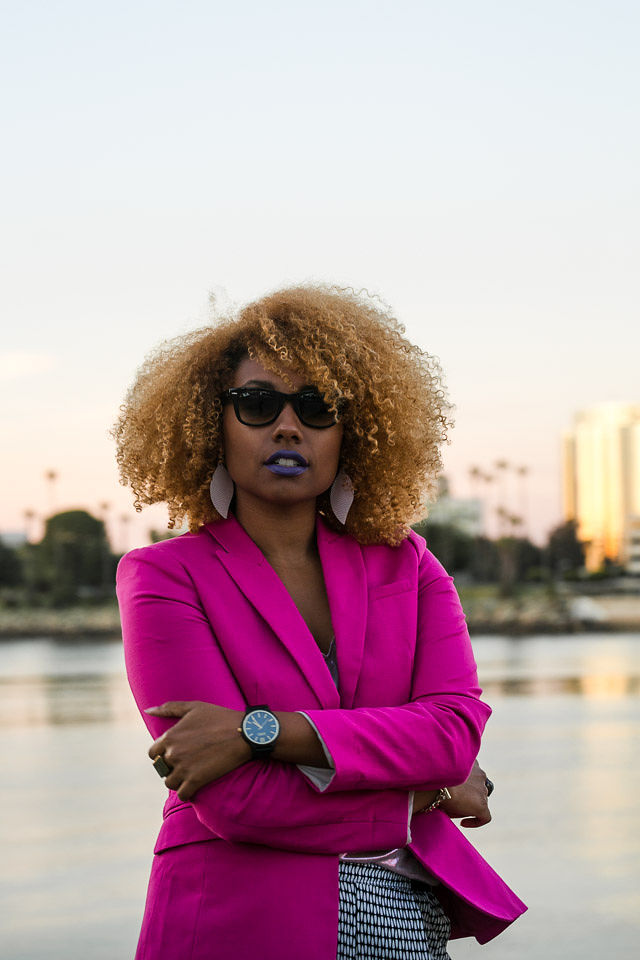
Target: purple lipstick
286, 463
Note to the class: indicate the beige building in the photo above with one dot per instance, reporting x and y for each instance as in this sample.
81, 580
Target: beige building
601, 482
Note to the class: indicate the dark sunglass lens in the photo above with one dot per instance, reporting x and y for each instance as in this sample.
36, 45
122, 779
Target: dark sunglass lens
257, 406
314, 411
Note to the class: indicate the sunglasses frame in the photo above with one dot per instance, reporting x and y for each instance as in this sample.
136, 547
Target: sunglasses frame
234, 394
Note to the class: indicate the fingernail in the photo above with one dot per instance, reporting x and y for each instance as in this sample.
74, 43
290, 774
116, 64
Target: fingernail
149, 709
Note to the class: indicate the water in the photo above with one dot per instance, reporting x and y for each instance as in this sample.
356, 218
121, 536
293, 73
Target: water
82, 805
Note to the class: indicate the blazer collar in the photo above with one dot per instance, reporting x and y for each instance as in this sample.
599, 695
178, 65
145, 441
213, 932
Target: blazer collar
346, 583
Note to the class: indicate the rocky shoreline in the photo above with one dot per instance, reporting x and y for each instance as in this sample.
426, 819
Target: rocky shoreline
73, 623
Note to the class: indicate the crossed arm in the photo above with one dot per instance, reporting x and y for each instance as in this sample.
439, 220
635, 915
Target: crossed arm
169, 649
204, 745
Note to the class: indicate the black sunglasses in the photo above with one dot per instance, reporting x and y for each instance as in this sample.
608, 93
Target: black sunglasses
258, 406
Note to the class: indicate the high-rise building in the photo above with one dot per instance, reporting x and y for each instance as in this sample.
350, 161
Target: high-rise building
601, 483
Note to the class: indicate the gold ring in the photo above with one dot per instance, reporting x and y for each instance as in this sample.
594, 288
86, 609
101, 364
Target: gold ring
162, 767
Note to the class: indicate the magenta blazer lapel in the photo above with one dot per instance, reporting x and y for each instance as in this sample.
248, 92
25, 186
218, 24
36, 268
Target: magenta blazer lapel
345, 579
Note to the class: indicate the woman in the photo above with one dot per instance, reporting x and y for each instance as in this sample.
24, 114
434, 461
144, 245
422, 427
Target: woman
300, 657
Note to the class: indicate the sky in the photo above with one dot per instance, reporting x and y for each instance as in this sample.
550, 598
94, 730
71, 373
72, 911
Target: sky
476, 165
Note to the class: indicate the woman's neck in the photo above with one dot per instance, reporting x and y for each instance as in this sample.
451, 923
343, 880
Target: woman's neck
286, 535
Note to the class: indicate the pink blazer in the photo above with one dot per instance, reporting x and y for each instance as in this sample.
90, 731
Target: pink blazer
205, 617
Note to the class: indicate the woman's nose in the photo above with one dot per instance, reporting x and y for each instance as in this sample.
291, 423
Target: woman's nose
287, 424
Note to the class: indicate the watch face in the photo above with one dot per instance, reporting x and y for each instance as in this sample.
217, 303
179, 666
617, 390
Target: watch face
260, 726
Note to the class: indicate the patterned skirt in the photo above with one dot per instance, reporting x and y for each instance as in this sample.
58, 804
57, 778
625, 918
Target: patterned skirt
385, 916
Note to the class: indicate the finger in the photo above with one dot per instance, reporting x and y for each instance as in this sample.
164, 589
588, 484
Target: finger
481, 821
473, 822
470, 822
186, 790
157, 748
172, 708
174, 780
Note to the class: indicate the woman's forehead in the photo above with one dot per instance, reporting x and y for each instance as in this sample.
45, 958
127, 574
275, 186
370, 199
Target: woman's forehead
250, 371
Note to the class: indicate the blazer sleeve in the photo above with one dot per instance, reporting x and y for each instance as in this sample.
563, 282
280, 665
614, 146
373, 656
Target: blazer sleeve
432, 740
171, 653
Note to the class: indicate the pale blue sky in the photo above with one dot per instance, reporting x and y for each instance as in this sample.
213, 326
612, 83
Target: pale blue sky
475, 164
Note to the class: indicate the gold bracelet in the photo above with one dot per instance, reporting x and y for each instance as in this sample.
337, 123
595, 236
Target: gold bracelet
442, 795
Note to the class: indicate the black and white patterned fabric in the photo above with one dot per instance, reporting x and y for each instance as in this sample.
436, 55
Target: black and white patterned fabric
385, 916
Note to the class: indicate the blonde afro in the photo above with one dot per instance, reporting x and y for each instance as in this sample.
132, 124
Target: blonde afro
395, 412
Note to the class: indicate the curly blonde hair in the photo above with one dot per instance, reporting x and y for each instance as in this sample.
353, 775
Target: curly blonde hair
396, 414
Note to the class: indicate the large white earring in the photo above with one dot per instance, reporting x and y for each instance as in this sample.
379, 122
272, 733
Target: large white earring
341, 496
221, 490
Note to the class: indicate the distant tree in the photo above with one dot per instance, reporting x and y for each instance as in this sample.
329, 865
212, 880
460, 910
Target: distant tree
530, 559
156, 536
452, 546
69, 562
517, 555
485, 562
611, 568
564, 552
10, 566
507, 560
508, 554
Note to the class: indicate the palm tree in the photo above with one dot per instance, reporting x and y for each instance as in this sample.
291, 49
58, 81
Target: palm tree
523, 473
488, 478
29, 516
508, 549
51, 476
104, 506
27, 554
475, 474
501, 467
503, 515
125, 520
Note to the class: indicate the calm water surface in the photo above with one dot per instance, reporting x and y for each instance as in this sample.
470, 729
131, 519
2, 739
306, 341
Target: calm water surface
82, 805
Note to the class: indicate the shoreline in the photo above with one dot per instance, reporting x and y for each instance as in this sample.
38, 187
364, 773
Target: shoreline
503, 619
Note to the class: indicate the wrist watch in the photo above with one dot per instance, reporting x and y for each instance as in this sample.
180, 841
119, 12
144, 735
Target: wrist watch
261, 729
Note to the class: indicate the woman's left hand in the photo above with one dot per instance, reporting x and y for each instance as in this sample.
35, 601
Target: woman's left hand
202, 746
470, 799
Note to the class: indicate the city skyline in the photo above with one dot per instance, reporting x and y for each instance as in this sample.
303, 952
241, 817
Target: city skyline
501, 489
544, 494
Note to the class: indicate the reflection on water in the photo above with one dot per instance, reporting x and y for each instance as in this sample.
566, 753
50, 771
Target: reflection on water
608, 685
53, 683
58, 700
56, 683
82, 804
589, 666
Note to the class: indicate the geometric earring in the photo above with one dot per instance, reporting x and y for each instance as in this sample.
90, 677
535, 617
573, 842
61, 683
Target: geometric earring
221, 490
341, 496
